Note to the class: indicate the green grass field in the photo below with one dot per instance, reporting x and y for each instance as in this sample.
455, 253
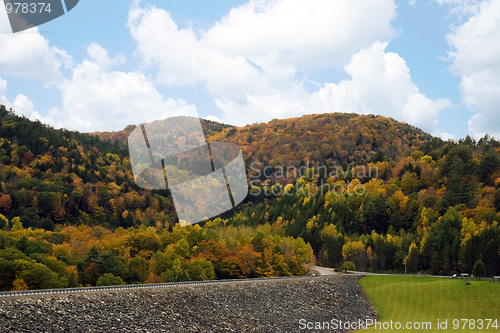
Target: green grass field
422, 299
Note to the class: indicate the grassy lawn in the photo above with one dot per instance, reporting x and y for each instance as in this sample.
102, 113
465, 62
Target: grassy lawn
422, 299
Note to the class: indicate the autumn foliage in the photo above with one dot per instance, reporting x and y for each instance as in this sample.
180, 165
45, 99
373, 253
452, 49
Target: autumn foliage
71, 214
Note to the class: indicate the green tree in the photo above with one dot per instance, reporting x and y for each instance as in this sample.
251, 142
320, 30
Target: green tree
111, 263
109, 279
441, 247
479, 270
348, 266
36, 275
332, 249
459, 169
489, 163
7, 274
72, 281
412, 259
375, 215
138, 268
200, 269
3, 221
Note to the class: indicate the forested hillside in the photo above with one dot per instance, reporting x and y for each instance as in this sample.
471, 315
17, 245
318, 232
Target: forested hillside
71, 215
342, 189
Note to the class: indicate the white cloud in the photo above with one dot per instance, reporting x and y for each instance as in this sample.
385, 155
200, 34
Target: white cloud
3, 91
22, 105
98, 99
444, 135
99, 55
476, 59
380, 84
28, 54
303, 34
251, 59
259, 46
183, 60
251, 63
460, 8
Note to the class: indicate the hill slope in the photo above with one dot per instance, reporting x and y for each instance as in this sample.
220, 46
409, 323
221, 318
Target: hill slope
57, 176
334, 138
399, 199
323, 138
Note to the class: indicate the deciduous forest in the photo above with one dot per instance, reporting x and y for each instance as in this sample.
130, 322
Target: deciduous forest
335, 189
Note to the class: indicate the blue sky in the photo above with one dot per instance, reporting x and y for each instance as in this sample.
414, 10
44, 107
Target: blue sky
432, 63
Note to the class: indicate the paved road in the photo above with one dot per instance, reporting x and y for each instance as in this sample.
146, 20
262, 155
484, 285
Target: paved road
329, 271
323, 270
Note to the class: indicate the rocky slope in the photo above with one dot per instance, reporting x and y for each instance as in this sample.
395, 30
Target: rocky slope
259, 306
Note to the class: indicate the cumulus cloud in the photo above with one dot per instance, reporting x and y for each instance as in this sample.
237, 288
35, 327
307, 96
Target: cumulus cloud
96, 98
476, 59
380, 84
305, 35
99, 55
251, 61
28, 54
22, 105
259, 46
183, 60
254, 63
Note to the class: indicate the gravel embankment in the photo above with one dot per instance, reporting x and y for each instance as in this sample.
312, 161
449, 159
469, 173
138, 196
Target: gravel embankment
261, 306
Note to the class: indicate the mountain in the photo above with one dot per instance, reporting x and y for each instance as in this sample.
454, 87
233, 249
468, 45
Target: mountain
335, 188
53, 176
208, 126
323, 138
327, 139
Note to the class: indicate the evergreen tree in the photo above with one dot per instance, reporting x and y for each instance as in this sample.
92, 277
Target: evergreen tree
479, 270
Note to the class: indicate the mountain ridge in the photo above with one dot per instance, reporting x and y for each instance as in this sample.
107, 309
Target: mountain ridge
71, 213
365, 134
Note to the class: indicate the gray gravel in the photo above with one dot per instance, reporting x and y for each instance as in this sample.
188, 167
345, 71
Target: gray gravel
261, 306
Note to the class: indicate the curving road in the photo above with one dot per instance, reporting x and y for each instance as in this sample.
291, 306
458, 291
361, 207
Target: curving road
330, 271
324, 270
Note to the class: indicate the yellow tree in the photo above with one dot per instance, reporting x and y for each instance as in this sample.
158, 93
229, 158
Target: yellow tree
19, 284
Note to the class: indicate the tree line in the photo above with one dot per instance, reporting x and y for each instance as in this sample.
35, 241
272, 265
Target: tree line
72, 214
